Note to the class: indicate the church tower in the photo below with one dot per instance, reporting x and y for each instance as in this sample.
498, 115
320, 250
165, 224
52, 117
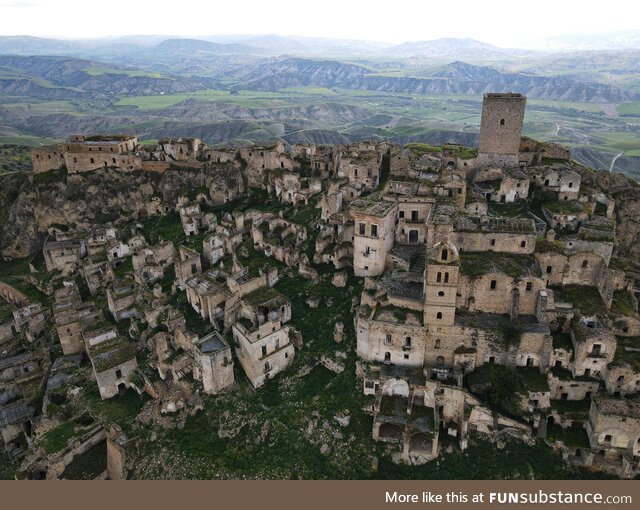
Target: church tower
441, 284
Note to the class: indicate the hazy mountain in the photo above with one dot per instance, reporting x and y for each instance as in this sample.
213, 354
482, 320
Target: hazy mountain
194, 47
450, 48
297, 45
623, 40
26, 45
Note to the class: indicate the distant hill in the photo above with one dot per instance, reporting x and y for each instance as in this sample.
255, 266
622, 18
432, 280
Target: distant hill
193, 47
456, 78
621, 40
47, 77
450, 48
26, 45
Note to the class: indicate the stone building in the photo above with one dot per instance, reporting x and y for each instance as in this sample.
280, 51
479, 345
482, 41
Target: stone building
182, 149
414, 214
63, 254
374, 234
72, 317
207, 293
594, 347
187, 264
123, 297
486, 233
214, 362
501, 128
334, 243
262, 341
86, 153
113, 360
31, 320
214, 248
562, 181
623, 373
614, 435
360, 163
259, 160
278, 238
150, 263
208, 359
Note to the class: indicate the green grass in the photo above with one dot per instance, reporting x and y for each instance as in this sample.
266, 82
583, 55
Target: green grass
16, 267
244, 98
629, 109
124, 268
586, 299
87, 465
562, 341
27, 140
576, 409
121, 409
571, 437
570, 105
627, 142
532, 379
477, 264
627, 353
99, 71
57, 438
511, 210
313, 91
622, 303
15, 158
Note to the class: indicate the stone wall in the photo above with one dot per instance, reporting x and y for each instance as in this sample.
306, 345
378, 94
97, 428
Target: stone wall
86, 162
46, 159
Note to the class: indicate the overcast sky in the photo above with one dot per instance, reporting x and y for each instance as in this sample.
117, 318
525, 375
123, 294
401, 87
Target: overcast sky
500, 22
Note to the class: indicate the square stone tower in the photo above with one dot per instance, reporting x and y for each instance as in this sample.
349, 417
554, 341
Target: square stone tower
501, 127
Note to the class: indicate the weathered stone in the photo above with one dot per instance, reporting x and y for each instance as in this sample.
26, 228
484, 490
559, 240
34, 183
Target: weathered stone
340, 279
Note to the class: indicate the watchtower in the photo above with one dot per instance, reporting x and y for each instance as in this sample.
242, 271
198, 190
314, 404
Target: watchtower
501, 125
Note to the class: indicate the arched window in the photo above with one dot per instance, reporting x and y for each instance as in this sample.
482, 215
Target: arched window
437, 344
439, 277
439, 315
387, 356
446, 278
445, 254
502, 122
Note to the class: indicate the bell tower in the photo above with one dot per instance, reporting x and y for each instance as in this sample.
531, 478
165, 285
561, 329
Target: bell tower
441, 284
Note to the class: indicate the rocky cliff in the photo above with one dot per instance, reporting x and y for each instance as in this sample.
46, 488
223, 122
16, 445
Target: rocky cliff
102, 197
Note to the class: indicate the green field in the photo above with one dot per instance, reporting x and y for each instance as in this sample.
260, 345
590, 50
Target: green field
244, 98
43, 107
629, 109
27, 140
98, 71
629, 143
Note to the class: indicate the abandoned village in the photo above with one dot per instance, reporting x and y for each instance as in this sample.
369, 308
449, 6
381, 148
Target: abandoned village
480, 288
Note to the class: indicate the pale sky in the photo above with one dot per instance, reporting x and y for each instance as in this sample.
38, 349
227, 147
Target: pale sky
500, 22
